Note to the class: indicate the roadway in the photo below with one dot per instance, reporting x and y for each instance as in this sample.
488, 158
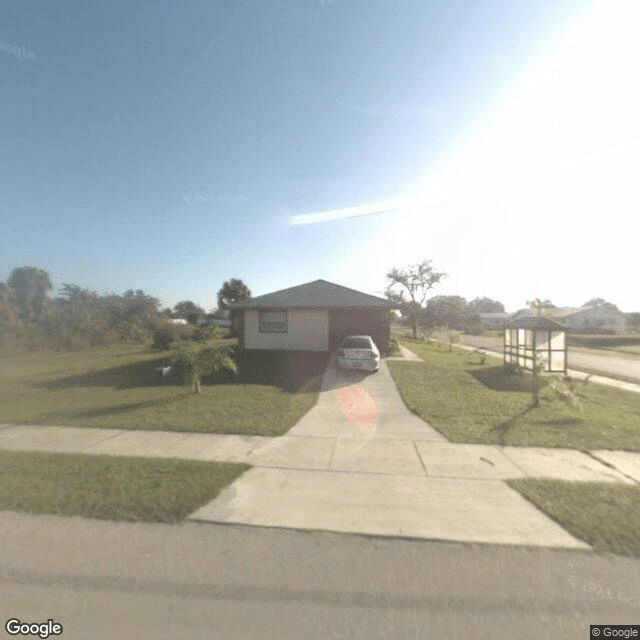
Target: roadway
610, 363
135, 580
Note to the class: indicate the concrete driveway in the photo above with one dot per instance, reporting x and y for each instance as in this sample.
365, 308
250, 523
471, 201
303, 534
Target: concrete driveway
360, 462
356, 463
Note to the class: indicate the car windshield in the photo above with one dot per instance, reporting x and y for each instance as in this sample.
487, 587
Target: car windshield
356, 343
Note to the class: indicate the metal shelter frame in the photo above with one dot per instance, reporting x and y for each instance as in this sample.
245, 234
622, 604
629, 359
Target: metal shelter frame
536, 339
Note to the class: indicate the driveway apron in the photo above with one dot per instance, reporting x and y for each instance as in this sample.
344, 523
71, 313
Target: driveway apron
356, 463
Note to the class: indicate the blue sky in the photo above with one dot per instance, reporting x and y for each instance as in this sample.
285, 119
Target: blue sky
167, 147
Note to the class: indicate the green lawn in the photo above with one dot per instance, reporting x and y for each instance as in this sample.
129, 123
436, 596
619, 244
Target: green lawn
605, 515
483, 403
110, 487
120, 388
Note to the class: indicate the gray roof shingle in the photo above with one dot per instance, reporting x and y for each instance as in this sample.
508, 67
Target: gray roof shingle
318, 294
536, 322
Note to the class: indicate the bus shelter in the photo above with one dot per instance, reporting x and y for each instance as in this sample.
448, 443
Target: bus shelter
536, 339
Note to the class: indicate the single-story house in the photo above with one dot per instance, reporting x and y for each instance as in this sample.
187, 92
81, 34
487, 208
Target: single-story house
592, 319
219, 318
312, 317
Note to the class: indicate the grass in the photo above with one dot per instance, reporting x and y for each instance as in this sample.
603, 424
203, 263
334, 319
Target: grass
110, 487
483, 403
622, 343
120, 388
605, 515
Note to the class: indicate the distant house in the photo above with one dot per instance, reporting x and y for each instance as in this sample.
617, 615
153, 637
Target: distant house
592, 319
220, 318
178, 321
312, 317
494, 320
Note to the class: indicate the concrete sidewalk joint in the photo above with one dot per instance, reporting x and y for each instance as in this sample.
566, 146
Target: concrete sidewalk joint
360, 462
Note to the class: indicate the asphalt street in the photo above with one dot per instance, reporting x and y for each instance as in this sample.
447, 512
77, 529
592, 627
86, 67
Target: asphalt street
622, 364
114, 579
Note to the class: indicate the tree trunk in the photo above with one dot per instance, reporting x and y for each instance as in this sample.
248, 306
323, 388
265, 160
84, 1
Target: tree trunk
415, 327
197, 385
535, 391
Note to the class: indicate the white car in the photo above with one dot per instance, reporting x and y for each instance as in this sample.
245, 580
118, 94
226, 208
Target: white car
358, 352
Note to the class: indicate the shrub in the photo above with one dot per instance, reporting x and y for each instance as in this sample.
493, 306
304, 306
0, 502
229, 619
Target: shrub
393, 348
196, 361
166, 333
206, 333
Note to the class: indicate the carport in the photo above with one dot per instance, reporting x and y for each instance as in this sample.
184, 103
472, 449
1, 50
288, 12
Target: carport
370, 322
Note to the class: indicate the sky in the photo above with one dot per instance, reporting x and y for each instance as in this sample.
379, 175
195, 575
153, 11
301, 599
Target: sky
171, 147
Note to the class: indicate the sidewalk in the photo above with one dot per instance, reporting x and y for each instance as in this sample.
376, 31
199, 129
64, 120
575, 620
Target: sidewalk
360, 462
410, 455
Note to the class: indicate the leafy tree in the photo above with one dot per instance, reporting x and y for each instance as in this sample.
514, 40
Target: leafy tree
486, 305
30, 290
599, 302
79, 319
446, 310
540, 305
83, 318
188, 310
231, 292
131, 315
633, 320
197, 361
415, 281
11, 328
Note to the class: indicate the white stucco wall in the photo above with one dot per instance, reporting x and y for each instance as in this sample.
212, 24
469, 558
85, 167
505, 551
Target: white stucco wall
307, 330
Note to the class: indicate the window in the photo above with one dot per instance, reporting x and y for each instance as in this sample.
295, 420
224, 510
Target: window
356, 343
273, 321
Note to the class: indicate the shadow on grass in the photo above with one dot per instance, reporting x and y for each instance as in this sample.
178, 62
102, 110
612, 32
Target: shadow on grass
114, 410
289, 371
502, 429
501, 379
128, 376
561, 423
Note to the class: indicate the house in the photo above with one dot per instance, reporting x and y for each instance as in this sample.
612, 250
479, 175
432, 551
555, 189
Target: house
219, 318
312, 317
177, 321
591, 319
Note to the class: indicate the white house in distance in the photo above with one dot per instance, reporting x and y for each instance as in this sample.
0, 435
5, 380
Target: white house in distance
599, 318
592, 319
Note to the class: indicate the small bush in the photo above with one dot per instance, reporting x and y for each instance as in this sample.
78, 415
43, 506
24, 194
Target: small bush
166, 333
197, 361
204, 334
393, 348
